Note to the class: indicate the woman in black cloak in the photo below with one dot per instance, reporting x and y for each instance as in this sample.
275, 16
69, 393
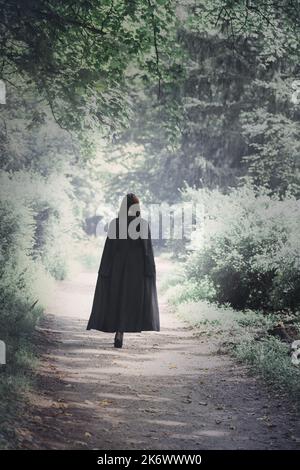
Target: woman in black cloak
125, 298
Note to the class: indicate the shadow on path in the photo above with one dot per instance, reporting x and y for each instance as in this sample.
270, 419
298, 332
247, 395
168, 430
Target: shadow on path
163, 390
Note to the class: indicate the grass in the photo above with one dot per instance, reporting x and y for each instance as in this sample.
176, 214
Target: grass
19, 315
242, 334
16, 379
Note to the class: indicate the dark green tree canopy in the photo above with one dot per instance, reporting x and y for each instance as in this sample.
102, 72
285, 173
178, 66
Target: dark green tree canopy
77, 53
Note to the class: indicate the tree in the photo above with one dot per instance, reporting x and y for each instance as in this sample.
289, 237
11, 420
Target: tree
233, 64
78, 53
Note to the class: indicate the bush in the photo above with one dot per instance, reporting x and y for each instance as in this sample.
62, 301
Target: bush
36, 231
247, 248
25, 282
53, 222
18, 274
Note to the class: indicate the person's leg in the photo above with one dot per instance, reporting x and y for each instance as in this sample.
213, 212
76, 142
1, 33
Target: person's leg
119, 335
119, 339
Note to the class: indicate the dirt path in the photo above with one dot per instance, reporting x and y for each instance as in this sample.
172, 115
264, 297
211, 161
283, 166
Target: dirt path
165, 390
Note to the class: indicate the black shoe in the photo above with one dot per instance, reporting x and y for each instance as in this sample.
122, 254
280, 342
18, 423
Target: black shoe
118, 340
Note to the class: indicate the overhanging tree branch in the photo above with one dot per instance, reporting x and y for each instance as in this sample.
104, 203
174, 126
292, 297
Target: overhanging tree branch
154, 27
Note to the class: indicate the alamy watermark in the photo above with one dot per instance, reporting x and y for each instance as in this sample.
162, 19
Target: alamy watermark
166, 221
2, 352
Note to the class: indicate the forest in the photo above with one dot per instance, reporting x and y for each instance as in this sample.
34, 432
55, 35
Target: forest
176, 101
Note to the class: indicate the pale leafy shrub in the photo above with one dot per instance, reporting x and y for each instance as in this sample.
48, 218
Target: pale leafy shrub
54, 224
25, 285
248, 246
19, 306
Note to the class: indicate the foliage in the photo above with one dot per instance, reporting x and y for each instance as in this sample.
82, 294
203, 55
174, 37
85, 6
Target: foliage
225, 321
245, 336
232, 68
18, 284
54, 224
189, 291
275, 158
77, 54
30, 139
271, 359
247, 245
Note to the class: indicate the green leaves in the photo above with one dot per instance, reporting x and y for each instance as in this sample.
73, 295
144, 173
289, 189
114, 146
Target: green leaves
250, 249
68, 48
